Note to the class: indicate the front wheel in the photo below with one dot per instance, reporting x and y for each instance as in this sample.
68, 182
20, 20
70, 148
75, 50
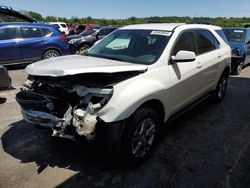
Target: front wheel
139, 136
83, 48
220, 91
239, 68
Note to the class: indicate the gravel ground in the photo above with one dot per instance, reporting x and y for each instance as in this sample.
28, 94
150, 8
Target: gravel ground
206, 147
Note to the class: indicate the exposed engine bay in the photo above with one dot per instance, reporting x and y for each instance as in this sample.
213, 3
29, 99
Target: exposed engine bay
68, 104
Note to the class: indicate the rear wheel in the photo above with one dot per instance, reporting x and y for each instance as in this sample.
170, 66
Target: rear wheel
50, 54
220, 91
140, 135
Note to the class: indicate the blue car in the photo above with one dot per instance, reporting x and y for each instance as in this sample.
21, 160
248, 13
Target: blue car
239, 41
28, 42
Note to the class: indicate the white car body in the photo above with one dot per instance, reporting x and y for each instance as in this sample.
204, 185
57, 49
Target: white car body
173, 85
62, 26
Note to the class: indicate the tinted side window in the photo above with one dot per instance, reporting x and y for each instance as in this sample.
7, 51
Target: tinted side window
45, 32
222, 35
30, 32
111, 30
185, 42
104, 31
248, 36
8, 33
205, 41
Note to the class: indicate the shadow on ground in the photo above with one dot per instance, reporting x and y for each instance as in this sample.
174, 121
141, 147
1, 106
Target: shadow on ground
206, 147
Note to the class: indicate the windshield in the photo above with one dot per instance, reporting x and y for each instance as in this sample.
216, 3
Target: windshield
235, 35
135, 46
88, 31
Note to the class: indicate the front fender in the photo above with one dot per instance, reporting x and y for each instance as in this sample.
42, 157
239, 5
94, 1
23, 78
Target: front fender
129, 96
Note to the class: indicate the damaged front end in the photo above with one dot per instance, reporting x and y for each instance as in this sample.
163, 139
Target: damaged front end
68, 105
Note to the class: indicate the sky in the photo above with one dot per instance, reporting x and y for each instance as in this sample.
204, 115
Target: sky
127, 8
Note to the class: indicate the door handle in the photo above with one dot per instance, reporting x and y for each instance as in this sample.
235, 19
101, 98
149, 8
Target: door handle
219, 55
199, 65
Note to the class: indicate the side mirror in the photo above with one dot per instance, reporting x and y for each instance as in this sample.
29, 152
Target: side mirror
183, 56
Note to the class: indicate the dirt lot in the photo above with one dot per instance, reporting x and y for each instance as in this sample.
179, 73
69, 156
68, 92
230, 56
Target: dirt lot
207, 147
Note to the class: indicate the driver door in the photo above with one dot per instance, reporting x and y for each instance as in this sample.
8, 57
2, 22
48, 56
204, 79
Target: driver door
185, 87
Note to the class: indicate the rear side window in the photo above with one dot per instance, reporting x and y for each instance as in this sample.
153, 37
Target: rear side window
30, 32
222, 35
205, 41
185, 42
8, 33
63, 25
45, 32
105, 31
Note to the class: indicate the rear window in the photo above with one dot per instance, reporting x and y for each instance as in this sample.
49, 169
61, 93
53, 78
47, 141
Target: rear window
8, 33
30, 32
63, 25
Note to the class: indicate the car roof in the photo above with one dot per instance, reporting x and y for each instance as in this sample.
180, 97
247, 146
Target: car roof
170, 26
241, 28
25, 24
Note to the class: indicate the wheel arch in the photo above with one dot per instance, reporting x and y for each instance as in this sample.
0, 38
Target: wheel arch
227, 71
155, 105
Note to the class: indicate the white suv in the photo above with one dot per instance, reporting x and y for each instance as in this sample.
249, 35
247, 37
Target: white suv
124, 88
62, 26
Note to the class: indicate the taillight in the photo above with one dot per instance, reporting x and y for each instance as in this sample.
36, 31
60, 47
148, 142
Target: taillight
63, 37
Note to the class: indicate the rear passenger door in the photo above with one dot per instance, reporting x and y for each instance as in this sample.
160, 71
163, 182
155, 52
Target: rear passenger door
32, 45
9, 49
209, 55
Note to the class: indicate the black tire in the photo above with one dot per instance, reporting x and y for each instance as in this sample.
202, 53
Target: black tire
137, 143
239, 68
83, 48
220, 91
50, 54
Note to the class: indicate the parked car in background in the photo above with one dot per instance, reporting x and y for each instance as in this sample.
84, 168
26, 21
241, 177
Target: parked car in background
124, 89
72, 29
5, 80
87, 32
79, 29
84, 43
90, 25
239, 41
26, 42
61, 26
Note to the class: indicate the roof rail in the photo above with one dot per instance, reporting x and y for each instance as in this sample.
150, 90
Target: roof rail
200, 22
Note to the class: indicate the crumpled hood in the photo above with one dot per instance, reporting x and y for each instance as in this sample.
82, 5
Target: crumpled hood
78, 64
235, 45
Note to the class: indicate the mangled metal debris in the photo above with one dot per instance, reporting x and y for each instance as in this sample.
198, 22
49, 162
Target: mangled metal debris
64, 107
